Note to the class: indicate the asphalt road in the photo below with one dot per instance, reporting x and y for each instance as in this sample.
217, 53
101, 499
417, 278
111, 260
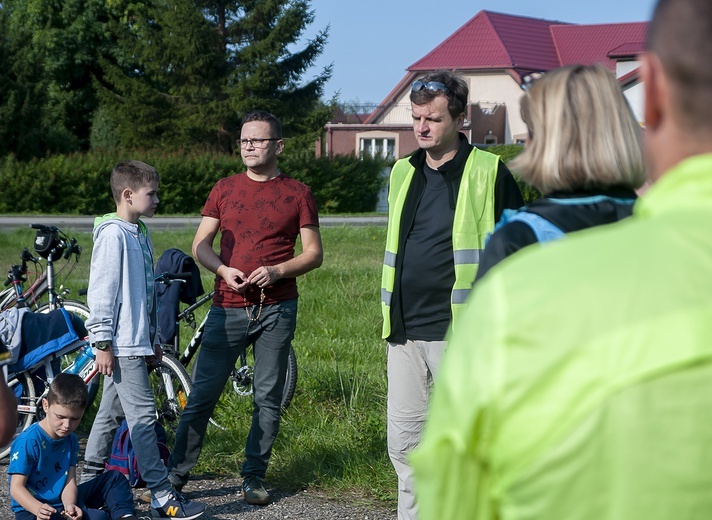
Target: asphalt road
159, 223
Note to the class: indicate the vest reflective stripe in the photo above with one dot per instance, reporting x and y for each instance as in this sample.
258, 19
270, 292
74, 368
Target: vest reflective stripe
473, 221
467, 256
459, 296
386, 296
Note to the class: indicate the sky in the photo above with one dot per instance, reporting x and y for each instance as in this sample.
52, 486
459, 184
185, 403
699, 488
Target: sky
372, 42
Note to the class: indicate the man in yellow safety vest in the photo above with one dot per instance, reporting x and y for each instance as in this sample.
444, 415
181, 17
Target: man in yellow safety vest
443, 201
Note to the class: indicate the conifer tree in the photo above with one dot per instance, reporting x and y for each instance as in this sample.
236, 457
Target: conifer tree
49, 56
186, 71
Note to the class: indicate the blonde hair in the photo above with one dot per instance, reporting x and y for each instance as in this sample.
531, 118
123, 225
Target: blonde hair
582, 133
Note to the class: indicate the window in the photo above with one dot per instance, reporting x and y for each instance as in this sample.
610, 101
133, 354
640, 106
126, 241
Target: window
378, 147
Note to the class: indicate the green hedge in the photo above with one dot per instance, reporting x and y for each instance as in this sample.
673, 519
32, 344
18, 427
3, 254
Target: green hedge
507, 152
78, 184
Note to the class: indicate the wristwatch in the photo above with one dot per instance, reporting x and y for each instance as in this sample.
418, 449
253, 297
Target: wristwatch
102, 345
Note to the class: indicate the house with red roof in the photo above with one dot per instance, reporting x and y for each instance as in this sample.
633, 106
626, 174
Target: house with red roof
493, 52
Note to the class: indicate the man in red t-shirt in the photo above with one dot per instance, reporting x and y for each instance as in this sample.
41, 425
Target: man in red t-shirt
259, 214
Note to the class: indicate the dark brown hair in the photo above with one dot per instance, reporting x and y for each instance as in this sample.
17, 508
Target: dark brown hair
266, 117
68, 390
456, 97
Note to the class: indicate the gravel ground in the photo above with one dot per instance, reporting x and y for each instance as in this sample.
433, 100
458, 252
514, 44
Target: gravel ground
224, 499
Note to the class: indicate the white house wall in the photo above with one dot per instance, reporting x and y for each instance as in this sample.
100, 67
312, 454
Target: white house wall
499, 88
635, 96
626, 67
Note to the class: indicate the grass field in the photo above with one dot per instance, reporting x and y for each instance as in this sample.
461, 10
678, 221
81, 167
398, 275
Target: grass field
333, 436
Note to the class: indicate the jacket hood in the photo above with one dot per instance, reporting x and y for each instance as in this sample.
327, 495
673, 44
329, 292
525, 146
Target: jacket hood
112, 218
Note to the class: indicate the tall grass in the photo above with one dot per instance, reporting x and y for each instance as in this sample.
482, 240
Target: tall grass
333, 436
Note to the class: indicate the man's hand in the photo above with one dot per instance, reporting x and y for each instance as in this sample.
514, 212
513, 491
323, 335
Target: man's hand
264, 276
235, 279
105, 361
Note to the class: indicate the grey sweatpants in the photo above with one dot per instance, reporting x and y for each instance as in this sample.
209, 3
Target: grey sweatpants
127, 394
411, 369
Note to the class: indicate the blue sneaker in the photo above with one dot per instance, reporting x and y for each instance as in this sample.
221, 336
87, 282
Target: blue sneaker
178, 506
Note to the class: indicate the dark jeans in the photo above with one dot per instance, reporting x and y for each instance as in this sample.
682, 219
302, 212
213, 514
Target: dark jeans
227, 333
110, 489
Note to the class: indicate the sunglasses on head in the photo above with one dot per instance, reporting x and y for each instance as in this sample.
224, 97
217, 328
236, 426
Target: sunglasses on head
433, 86
529, 79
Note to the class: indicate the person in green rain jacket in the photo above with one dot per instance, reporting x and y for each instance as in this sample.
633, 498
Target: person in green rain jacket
581, 386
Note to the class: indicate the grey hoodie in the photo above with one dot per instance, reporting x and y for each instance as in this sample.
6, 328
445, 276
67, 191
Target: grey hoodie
121, 297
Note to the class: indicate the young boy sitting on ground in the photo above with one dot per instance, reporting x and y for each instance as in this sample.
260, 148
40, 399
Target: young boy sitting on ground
43, 462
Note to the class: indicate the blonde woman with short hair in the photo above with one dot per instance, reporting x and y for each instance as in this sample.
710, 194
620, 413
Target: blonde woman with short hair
583, 153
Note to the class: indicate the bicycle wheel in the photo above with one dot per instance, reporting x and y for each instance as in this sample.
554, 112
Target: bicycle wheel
171, 386
26, 406
242, 376
81, 310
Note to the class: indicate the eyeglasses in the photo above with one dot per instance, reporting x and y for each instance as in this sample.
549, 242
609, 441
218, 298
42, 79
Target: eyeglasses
432, 86
529, 79
256, 143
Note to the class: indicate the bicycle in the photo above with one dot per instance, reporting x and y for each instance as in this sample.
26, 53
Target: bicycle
38, 364
37, 368
55, 245
51, 244
242, 375
169, 380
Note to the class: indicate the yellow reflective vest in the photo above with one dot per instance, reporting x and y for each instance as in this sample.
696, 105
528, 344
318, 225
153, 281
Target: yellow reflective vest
474, 219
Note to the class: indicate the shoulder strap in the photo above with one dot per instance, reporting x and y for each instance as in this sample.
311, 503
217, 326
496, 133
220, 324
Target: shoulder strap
543, 229
593, 199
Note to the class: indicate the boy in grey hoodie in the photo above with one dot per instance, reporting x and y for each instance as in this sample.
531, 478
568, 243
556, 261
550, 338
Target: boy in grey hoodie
122, 329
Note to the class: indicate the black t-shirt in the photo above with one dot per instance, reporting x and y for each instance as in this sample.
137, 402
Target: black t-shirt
428, 269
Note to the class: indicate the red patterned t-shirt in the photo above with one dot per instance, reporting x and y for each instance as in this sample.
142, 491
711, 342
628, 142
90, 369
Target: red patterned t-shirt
259, 225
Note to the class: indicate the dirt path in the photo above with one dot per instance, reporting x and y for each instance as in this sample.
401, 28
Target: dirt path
224, 499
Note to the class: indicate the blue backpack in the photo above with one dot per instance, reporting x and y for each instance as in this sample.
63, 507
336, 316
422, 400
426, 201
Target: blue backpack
123, 458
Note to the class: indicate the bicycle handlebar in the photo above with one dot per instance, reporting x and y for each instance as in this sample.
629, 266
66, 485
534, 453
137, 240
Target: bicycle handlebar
42, 227
68, 246
26, 256
169, 278
73, 249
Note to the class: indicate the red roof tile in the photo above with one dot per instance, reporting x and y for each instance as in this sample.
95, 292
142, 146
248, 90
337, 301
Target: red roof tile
494, 40
588, 44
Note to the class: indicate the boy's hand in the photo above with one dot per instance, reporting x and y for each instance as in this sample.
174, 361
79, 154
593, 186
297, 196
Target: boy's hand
158, 352
45, 511
105, 362
72, 512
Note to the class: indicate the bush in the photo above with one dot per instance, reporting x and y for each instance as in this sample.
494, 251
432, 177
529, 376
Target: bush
507, 152
78, 184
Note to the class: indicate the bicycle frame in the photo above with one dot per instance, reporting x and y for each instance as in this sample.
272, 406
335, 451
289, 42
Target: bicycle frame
188, 316
32, 295
87, 373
